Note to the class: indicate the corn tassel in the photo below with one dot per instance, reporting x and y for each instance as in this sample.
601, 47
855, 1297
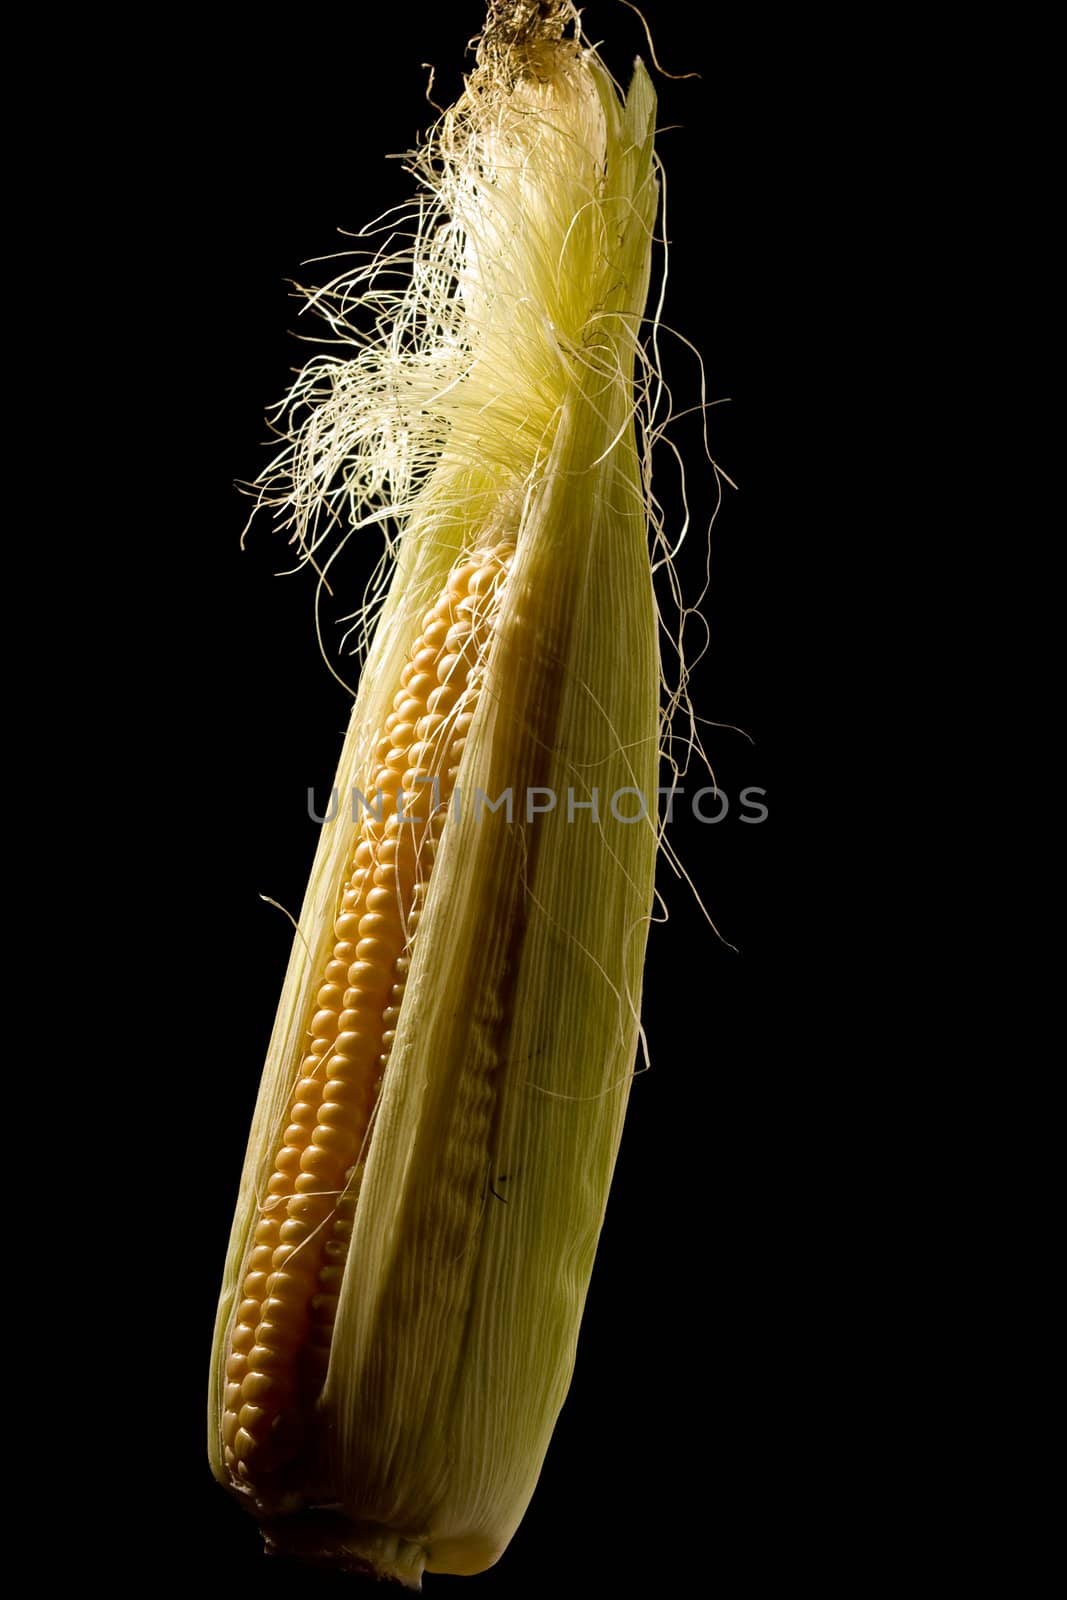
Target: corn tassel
443, 1096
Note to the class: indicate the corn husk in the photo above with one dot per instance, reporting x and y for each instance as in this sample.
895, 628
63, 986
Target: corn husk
491, 1154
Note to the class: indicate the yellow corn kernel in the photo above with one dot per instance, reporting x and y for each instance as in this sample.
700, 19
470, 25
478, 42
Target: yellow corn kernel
444, 1091
280, 1340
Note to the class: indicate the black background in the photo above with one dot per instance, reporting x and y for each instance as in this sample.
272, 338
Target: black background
689, 1424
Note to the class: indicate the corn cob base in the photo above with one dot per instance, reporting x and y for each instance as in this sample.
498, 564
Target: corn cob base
324, 1538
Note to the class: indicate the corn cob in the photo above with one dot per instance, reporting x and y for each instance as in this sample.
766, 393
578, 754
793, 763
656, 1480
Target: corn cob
444, 1091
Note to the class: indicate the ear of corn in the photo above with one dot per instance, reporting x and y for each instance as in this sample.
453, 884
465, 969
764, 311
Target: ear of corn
443, 1096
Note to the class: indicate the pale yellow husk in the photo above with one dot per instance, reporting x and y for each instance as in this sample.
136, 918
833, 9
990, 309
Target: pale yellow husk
459, 1313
